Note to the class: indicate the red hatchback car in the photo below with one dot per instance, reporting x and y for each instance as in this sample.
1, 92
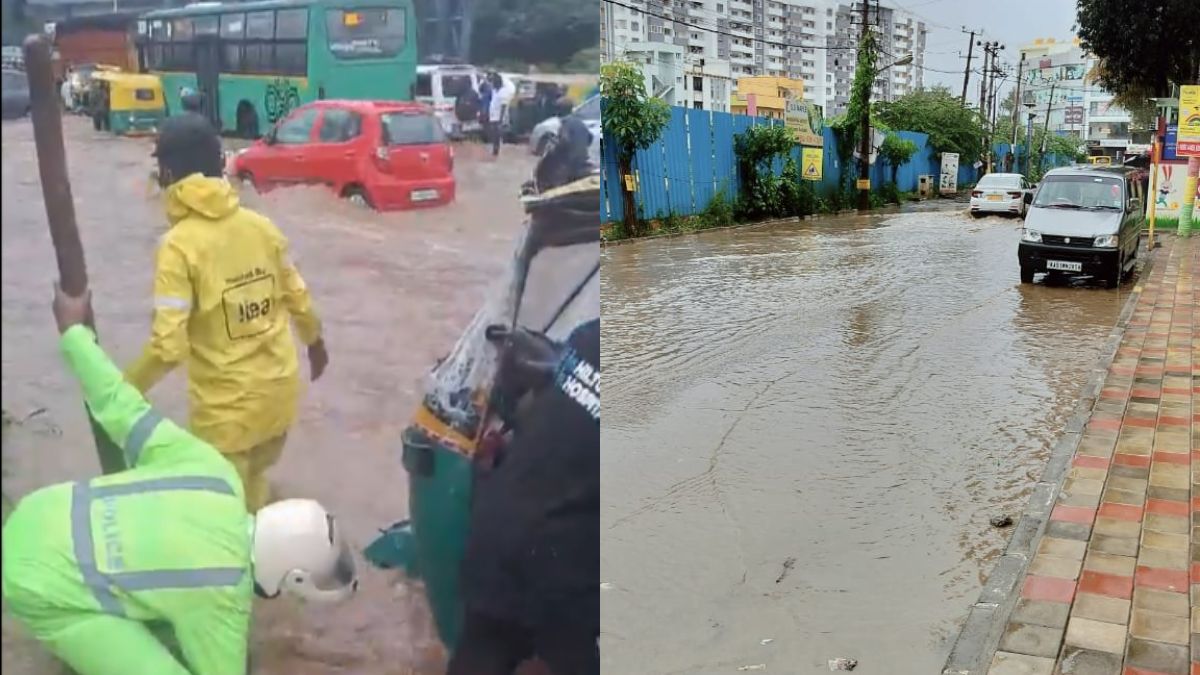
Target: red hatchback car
388, 155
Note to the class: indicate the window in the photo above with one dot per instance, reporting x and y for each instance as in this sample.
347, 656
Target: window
143, 94
697, 84
205, 25
291, 24
720, 8
231, 55
365, 33
160, 30
698, 105
339, 126
297, 129
291, 59
424, 84
257, 58
233, 26
633, 25
411, 129
181, 30
260, 25
622, 23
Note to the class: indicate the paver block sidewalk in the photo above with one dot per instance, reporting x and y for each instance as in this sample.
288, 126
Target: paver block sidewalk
1114, 586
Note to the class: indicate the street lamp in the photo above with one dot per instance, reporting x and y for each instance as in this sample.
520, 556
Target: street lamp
864, 144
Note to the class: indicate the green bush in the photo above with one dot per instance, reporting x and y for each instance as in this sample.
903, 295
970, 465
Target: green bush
718, 213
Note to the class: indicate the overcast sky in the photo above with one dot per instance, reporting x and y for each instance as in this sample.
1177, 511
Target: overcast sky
1011, 22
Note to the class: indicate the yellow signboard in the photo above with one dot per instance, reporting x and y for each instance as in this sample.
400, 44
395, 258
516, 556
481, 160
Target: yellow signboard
1189, 121
863, 183
631, 182
810, 163
804, 119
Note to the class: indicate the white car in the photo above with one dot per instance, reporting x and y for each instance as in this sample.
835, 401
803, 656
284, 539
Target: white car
547, 130
1000, 193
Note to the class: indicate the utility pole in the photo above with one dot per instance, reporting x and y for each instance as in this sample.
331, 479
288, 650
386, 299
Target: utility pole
1017, 101
1046, 127
967, 70
864, 143
983, 76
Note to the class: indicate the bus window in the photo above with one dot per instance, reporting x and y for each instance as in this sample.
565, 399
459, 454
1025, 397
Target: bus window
291, 59
231, 57
256, 58
181, 30
205, 25
365, 32
260, 26
291, 24
233, 25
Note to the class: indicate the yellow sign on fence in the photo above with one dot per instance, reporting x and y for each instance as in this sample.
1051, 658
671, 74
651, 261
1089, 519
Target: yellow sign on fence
810, 162
863, 184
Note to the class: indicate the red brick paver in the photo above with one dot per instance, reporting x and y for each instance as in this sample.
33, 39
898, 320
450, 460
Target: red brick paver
1135, 604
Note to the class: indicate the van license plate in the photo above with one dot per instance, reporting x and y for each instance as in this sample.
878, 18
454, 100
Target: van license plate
1064, 266
424, 195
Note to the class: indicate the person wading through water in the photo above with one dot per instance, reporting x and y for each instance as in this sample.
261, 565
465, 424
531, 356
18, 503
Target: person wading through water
226, 294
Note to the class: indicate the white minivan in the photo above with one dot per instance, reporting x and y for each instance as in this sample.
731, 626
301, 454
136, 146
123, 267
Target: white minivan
439, 87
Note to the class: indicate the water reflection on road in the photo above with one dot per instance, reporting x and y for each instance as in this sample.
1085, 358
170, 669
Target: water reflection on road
806, 429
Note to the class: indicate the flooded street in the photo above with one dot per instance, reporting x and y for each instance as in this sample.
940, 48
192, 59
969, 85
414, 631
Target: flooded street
394, 291
807, 428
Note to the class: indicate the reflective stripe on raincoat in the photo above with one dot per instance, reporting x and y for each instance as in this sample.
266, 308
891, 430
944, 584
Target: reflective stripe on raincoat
224, 294
168, 540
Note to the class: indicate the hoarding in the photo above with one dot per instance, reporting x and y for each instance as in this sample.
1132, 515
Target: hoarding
1189, 121
804, 119
949, 174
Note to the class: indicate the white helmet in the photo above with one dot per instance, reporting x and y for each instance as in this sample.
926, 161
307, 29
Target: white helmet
298, 548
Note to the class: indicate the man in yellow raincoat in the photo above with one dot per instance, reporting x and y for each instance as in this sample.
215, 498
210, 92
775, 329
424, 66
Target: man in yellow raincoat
225, 295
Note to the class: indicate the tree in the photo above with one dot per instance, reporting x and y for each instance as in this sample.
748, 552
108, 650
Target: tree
533, 31
1144, 45
848, 127
896, 151
762, 192
938, 113
632, 120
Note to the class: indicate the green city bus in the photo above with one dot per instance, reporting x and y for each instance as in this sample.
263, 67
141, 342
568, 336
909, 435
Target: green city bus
254, 62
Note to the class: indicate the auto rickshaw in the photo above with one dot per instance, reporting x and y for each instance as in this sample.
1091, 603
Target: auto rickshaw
552, 287
126, 103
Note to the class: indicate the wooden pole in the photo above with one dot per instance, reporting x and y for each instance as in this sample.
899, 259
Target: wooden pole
60, 206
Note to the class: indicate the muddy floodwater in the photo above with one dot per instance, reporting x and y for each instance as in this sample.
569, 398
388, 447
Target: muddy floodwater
807, 427
394, 291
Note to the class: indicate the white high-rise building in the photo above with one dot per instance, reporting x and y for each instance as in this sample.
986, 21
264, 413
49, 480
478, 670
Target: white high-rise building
810, 40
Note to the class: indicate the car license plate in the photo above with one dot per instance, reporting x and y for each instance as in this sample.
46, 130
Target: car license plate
424, 195
1064, 266
993, 198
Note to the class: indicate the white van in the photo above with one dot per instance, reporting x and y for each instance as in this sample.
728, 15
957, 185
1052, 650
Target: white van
439, 86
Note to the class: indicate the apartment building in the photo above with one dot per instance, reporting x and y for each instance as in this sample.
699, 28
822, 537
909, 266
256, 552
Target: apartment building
898, 34
808, 40
1080, 107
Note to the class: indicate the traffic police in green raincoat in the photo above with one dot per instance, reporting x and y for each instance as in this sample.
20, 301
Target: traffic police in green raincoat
88, 565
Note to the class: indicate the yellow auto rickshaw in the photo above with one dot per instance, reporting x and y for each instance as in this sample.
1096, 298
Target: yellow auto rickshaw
126, 103
1100, 160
